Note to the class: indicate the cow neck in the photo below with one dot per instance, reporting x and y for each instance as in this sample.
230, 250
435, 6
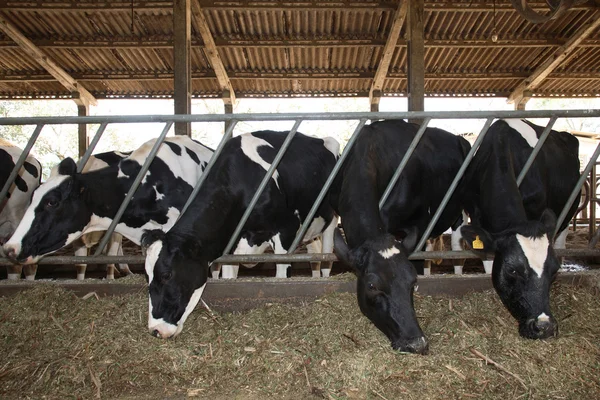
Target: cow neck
104, 191
499, 197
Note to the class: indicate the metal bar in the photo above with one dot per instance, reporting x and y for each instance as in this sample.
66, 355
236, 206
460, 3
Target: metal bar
325, 189
211, 162
133, 188
577, 188
409, 152
262, 186
536, 150
454, 184
92, 146
527, 114
20, 162
256, 258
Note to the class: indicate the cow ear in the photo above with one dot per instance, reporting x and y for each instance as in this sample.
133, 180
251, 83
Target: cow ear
151, 236
478, 238
67, 167
353, 258
548, 221
410, 240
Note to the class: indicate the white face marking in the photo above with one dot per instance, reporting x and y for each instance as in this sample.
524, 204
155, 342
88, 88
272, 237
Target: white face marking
120, 174
152, 254
543, 317
167, 330
159, 196
536, 251
27, 221
332, 145
389, 252
250, 145
525, 130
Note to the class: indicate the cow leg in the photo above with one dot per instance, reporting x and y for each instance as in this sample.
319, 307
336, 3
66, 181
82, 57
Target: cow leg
315, 247
124, 268
14, 272
561, 243
278, 248
229, 271
30, 271
81, 252
487, 266
427, 263
113, 250
456, 244
215, 270
328, 246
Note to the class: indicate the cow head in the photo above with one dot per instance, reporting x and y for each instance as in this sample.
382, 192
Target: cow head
176, 280
524, 267
56, 216
385, 286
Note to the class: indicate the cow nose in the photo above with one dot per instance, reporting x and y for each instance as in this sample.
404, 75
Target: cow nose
544, 329
10, 253
156, 333
418, 345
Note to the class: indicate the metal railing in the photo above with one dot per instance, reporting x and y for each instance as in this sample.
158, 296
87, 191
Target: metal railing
297, 119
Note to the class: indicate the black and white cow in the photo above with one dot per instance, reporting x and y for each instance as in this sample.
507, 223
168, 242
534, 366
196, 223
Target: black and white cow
386, 278
517, 223
18, 196
177, 261
70, 204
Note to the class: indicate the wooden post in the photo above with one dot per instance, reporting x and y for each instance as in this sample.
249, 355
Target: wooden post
83, 111
416, 56
182, 31
228, 110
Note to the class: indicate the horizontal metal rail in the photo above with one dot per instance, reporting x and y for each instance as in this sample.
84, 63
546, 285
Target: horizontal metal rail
282, 258
126, 119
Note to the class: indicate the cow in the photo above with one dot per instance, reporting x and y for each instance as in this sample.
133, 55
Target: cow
17, 199
386, 278
70, 204
177, 261
517, 223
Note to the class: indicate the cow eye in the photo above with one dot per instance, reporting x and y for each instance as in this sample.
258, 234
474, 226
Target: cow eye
166, 276
372, 287
50, 203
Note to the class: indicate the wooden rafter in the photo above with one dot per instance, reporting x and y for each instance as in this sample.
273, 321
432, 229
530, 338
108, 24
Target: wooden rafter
388, 51
275, 42
210, 49
311, 5
80, 94
554, 60
41, 76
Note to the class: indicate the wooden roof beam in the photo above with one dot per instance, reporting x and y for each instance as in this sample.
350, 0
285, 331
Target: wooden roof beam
210, 49
388, 51
518, 96
80, 95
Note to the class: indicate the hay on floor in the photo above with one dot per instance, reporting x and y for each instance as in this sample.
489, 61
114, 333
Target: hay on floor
56, 345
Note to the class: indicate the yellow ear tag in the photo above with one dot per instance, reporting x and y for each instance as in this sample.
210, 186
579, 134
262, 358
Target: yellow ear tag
477, 243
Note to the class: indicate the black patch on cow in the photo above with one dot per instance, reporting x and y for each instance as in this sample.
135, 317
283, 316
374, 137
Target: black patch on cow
6, 167
192, 155
175, 148
32, 169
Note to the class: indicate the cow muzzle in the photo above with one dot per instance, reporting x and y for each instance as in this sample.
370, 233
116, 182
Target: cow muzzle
539, 328
164, 330
418, 345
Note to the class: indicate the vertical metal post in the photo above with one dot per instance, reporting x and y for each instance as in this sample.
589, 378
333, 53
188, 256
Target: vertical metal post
409, 152
591, 164
454, 184
20, 162
536, 150
133, 188
262, 186
325, 189
83, 160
